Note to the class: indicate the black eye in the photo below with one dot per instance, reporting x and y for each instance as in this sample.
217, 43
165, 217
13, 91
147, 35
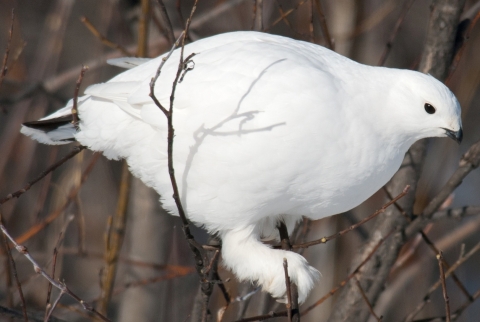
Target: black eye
429, 108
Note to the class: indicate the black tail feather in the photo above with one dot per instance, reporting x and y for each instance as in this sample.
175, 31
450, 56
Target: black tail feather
50, 124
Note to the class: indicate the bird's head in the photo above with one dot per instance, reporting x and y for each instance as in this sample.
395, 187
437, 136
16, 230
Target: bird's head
427, 108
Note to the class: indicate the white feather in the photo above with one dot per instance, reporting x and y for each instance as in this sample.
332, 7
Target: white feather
265, 126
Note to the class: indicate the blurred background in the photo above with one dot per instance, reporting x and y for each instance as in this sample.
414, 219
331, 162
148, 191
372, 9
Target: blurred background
154, 274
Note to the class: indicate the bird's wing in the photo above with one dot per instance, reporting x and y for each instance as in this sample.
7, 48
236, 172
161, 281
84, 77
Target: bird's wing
219, 78
117, 92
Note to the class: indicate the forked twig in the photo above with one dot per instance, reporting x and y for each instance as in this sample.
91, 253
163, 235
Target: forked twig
455, 278
49, 307
199, 254
14, 273
59, 285
453, 268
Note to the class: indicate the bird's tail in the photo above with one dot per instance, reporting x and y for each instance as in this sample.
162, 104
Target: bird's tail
54, 129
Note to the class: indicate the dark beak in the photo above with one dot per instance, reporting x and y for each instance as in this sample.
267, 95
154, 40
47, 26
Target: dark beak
457, 136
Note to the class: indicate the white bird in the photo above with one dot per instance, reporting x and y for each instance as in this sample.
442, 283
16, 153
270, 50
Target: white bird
267, 129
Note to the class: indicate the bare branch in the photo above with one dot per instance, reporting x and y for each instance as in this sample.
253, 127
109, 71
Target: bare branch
75, 97
455, 278
72, 194
469, 162
115, 238
49, 306
102, 38
426, 298
15, 274
42, 175
370, 308
61, 286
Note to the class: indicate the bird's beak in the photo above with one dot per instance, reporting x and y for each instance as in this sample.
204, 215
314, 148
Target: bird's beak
457, 136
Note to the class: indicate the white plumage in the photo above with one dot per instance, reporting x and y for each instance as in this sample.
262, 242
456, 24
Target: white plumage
267, 128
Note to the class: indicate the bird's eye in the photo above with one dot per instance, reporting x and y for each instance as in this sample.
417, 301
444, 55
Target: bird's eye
429, 108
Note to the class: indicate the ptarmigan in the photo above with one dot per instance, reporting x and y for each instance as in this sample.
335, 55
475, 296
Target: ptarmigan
267, 129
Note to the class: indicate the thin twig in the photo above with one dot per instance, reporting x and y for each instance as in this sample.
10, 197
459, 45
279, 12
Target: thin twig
173, 268
289, 290
102, 38
213, 260
115, 239
148, 281
167, 24
157, 75
343, 232
7, 312
349, 277
292, 288
52, 307
453, 268
59, 285
178, 5
5, 248
469, 161
444, 286
75, 97
370, 308
4, 69
455, 278
71, 196
49, 306
393, 35
42, 175
14, 273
